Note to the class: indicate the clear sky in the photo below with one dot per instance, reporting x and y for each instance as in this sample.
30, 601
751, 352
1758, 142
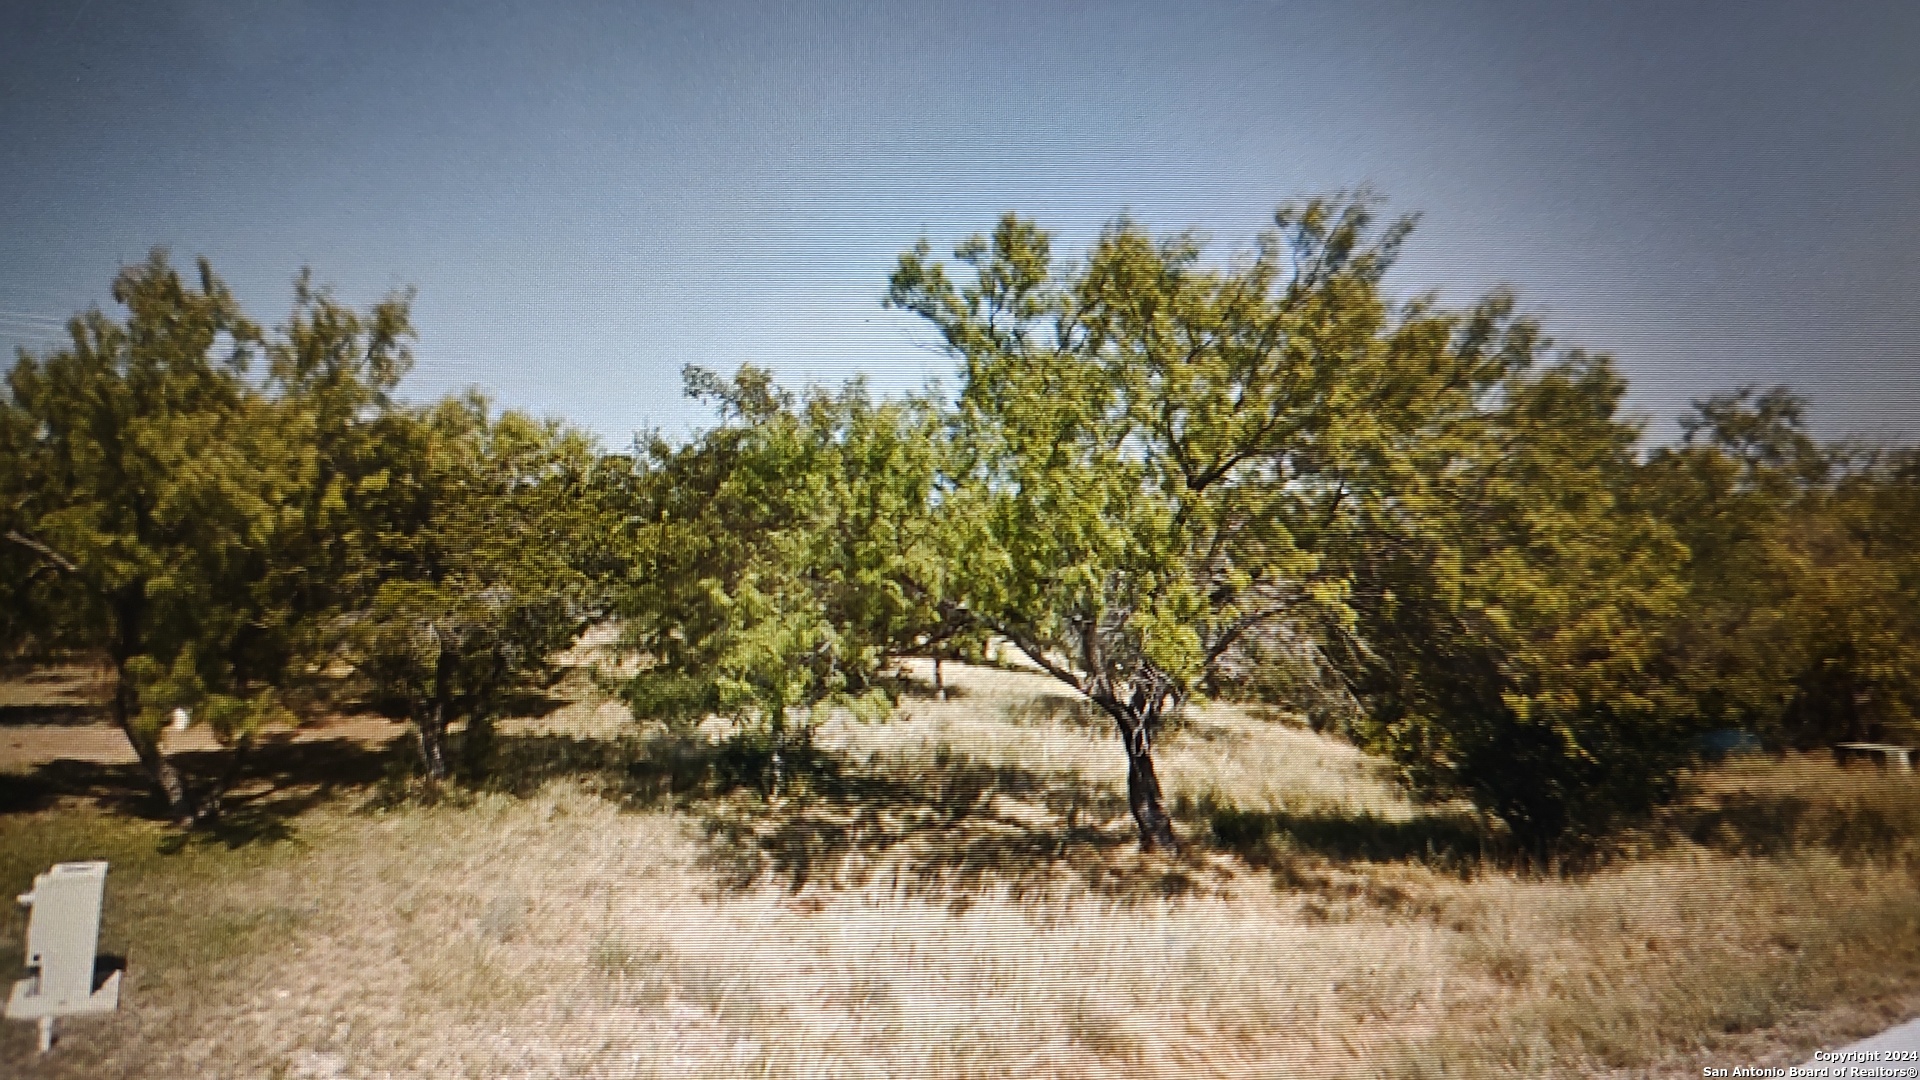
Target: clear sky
588, 195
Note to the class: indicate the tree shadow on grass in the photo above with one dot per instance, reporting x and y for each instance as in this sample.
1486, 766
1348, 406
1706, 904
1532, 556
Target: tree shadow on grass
59, 695
1440, 839
1768, 824
531, 704
1346, 863
282, 777
1875, 825
945, 826
952, 828
1351, 861
281, 780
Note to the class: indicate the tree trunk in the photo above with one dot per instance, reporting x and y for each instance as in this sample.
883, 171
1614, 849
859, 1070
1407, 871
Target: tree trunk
439, 714
432, 725
476, 743
939, 682
167, 782
129, 606
1143, 791
433, 744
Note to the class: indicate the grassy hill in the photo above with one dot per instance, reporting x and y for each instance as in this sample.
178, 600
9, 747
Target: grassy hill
953, 893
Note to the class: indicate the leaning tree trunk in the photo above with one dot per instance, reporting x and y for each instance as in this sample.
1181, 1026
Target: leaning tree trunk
129, 611
167, 782
1143, 785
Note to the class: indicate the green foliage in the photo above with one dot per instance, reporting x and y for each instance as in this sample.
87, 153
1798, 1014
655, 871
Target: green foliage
1168, 480
142, 489
1160, 467
782, 559
480, 573
337, 424
223, 538
1802, 597
1514, 605
1162, 478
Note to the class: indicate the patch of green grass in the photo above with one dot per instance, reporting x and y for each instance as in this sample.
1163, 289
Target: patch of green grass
169, 905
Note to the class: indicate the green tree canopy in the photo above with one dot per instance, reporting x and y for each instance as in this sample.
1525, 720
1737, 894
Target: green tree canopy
1515, 602
1801, 620
782, 559
223, 536
151, 487
480, 570
1156, 462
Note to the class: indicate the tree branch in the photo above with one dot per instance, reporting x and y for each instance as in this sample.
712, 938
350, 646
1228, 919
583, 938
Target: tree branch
43, 551
1031, 649
1238, 629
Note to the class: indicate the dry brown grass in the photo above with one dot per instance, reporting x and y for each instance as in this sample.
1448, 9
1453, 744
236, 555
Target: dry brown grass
955, 893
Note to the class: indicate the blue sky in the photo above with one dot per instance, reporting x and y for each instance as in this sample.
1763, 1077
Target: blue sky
588, 196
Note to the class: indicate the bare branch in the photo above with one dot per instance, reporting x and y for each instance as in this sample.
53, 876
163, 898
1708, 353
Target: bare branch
43, 551
1031, 648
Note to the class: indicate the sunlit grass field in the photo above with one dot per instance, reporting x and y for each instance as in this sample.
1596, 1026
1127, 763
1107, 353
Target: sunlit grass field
956, 893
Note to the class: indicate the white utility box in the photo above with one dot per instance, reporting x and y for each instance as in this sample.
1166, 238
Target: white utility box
62, 935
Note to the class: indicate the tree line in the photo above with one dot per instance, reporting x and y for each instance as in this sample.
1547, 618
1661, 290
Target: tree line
1161, 479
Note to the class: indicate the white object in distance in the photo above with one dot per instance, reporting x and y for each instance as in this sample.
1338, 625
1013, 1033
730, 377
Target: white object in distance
181, 718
